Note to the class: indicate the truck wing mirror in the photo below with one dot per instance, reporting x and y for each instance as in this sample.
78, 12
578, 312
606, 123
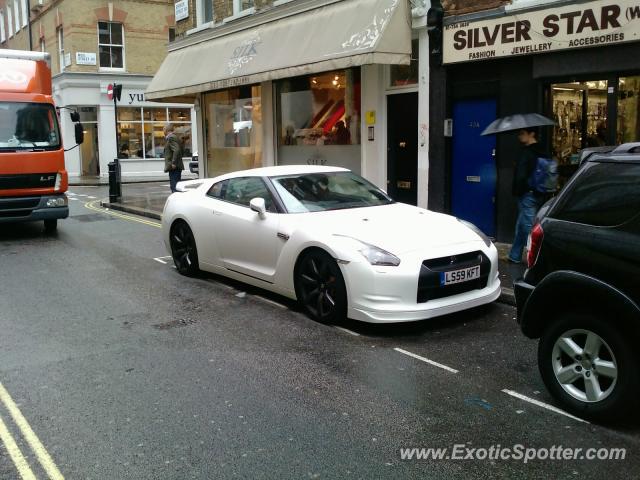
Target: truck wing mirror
75, 116
79, 133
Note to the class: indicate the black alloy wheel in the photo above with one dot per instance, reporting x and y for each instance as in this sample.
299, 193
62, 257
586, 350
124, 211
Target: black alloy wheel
320, 288
183, 249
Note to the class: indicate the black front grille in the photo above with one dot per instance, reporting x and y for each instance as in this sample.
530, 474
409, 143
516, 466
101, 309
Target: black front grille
27, 180
14, 213
18, 203
429, 283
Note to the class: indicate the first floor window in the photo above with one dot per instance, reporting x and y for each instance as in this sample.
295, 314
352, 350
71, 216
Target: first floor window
3, 37
111, 45
242, 5
61, 48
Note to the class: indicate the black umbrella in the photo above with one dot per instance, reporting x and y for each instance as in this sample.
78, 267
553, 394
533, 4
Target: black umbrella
517, 122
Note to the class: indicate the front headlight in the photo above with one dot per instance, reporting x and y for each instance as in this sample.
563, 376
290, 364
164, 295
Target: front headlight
374, 255
477, 231
378, 256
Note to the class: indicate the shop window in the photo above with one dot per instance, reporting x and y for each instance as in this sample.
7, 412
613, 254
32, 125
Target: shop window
580, 112
111, 45
406, 75
141, 131
629, 110
318, 119
233, 124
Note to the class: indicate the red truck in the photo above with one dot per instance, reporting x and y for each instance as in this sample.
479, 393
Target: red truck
33, 178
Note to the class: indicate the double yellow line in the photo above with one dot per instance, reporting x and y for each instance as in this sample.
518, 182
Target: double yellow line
94, 205
32, 439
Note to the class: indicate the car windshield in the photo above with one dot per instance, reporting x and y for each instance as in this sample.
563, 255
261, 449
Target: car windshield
26, 126
315, 192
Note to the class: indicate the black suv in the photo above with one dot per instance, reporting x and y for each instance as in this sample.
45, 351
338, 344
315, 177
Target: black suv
581, 292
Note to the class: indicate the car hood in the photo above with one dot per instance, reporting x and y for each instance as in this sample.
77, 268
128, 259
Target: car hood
397, 228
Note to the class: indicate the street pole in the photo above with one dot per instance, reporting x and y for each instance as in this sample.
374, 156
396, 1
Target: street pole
115, 112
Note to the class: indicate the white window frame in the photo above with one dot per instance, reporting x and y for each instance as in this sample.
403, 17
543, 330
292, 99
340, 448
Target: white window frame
3, 37
237, 13
43, 45
9, 20
200, 9
25, 13
124, 58
16, 14
60, 35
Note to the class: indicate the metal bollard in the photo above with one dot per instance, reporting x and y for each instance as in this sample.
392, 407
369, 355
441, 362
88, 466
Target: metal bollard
115, 181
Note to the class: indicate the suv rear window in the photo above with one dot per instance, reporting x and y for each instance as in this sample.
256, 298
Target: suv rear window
604, 194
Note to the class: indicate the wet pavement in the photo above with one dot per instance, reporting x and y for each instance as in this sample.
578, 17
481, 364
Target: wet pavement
125, 369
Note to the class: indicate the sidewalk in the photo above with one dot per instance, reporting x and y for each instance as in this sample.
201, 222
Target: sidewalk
148, 199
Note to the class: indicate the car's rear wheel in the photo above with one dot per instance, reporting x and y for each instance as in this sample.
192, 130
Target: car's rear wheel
589, 366
320, 287
183, 249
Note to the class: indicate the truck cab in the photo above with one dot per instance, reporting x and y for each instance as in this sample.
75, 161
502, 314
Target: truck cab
33, 178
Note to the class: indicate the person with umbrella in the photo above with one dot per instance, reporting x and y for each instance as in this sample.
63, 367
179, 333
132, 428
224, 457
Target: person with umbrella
529, 200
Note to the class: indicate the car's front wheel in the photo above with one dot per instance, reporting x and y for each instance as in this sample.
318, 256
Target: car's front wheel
183, 249
320, 287
589, 366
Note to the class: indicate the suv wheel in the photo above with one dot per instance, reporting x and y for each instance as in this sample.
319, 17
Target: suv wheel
589, 366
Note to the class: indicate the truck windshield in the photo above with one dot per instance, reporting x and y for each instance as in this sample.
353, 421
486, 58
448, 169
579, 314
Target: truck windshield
25, 126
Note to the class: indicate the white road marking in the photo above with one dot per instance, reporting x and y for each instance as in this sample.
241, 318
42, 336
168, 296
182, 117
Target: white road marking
34, 442
346, 330
541, 404
74, 199
271, 302
14, 452
160, 260
92, 197
81, 195
426, 360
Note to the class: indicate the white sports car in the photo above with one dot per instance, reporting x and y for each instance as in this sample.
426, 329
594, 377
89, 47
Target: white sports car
332, 240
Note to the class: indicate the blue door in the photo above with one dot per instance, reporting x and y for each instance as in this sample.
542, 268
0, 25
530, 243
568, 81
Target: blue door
473, 169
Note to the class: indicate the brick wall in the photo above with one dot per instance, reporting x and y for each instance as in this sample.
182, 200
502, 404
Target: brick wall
146, 31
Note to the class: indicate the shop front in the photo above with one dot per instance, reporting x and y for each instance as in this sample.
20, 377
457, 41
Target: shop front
575, 63
292, 89
139, 144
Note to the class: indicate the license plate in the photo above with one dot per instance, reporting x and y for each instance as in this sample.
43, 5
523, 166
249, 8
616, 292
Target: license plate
459, 276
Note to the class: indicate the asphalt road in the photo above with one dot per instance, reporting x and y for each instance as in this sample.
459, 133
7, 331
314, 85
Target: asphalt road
123, 369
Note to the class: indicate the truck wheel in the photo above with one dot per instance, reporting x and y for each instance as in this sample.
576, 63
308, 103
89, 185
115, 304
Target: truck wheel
589, 366
50, 226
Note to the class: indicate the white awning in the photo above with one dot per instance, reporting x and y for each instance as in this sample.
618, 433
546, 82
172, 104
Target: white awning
345, 34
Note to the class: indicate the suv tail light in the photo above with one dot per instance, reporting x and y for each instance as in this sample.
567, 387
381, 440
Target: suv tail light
535, 242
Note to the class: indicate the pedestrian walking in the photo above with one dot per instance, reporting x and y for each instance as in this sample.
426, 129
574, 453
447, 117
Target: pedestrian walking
529, 200
173, 151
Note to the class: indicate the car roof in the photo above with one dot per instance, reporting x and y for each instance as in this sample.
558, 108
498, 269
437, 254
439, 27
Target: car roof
281, 170
627, 152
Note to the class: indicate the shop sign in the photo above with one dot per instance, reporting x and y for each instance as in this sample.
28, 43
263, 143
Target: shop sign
84, 58
571, 26
181, 10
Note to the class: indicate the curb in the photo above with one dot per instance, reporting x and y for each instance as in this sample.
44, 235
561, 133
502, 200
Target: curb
506, 296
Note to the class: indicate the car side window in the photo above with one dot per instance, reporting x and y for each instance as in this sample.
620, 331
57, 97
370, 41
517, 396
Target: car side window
217, 190
241, 190
605, 195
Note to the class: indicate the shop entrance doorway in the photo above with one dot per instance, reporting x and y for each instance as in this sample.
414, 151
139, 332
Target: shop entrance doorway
473, 169
402, 147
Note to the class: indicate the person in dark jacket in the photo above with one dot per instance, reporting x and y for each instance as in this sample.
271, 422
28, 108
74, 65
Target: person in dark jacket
529, 201
173, 152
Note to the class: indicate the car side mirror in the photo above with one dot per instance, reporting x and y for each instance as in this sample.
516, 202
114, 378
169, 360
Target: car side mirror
79, 133
258, 205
